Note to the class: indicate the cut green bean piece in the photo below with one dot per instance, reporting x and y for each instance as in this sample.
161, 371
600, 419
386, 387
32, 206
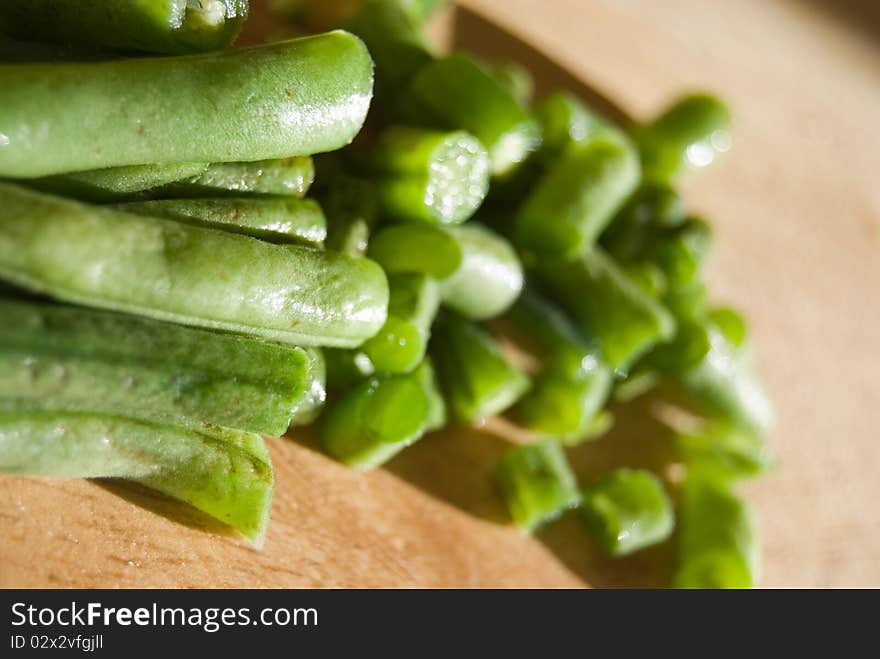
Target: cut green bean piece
196, 108
715, 374
68, 359
489, 278
191, 275
429, 176
276, 177
566, 123
537, 483
610, 306
310, 405
574, 202
455, 93
159, 26
516, 79
392, 34
477, 378
653, 208
717, 545
690, 134
573, 384
376, 420
627, 510
276, 220
401, 343
224, 473
724, 453
416, 248
436, 405
115, 183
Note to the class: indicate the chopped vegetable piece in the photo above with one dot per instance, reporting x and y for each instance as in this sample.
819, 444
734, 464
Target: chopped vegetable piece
455, 93
516, 79
609, 305
567, 123
312, 403
724, 453
281, 176
477, 378
224, 473
351, 208
627, 510
401, 343
196, 108
651, 209
347, 368
436, 405
690, 134
717, 545
537, 483
67, 359
275, 219
489, 278
376, 420
574, 202
159, 26
186, 274
429, 176
416, 248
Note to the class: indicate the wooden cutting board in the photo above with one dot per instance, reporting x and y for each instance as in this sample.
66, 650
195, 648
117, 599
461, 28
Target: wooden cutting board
796, 208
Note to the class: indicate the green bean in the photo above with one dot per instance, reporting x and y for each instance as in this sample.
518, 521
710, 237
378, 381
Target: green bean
421, 10
217, 107
710, 363
195, 276
275, 219
347, 368
436, 405
477, 378
276, 177
724, 453
653, 208
115, 183
573, 384
392, 34
717, 545
310, 405
160, 26
66, 359
351, 208
376, 420
537, 483
627, 510
689, 134
489, 278
605, 302
567, 123
401, 343
455, 93
416, 248
514, 78
224, 473
574, 202
429, 176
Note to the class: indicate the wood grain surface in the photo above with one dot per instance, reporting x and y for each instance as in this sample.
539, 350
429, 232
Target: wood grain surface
796, 207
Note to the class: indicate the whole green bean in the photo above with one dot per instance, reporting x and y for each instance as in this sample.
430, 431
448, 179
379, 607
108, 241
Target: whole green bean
625, 320
454, 93
477, 378
429, 176
276, 177
224, 473
537, 484
574, 202
717, 546
376, 420
416, 248
160, 26
689, 134
66, 359
489, 278
195, 276
401, 343
274, 219
216, 107
627, 510
115, 183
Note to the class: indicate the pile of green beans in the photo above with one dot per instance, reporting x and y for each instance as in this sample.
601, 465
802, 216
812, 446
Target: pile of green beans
215, 272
